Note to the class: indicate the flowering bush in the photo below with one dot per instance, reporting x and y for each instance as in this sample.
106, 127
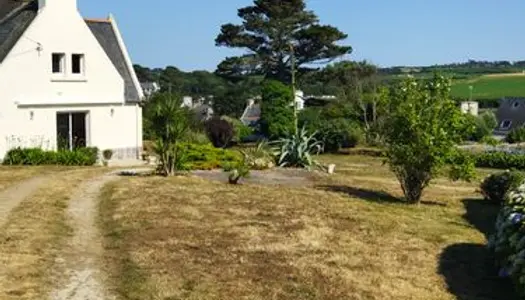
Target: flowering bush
496, 186
508, 243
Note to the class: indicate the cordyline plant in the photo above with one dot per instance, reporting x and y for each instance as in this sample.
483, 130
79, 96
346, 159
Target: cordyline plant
170, 122
421, 134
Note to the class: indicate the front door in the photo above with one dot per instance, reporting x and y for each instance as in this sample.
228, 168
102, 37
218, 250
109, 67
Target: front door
71, 130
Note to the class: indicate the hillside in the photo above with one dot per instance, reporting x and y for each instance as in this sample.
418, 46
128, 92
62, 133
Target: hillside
491, 86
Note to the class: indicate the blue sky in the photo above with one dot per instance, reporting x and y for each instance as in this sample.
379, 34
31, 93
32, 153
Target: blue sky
386, 32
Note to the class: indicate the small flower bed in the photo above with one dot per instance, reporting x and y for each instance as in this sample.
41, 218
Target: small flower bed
508, 243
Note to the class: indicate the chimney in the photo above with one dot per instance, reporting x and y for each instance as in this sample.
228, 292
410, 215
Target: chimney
63, 5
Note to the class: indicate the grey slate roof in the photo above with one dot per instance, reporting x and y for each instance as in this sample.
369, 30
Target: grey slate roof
512, 109
15, 17
106, 36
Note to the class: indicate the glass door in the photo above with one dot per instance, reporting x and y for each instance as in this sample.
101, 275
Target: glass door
71, 130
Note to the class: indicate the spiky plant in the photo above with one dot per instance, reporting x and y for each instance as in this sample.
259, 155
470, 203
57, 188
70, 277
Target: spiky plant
297, 150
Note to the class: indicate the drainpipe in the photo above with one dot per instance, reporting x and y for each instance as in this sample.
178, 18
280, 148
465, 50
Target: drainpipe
137, 126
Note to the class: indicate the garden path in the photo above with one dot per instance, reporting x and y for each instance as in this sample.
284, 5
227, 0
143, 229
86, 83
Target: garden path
13, 196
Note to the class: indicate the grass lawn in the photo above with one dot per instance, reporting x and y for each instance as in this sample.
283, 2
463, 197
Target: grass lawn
491, 87
345, 237
13, 175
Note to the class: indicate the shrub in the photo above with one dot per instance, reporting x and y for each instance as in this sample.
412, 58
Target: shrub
37, 156
498, 160
338, 133
483, 126
297, 149
516, 135
196, 137
311, 118
107, 154
206, 157
220, 132
421, 134
241, 131
496, 186
277, 117
508, 242
489, 140
237, 171
260, 157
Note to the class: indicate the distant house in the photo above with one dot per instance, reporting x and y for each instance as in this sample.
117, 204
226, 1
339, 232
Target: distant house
150, 88
510, 115
66, 81
203, 111
470, 107
252, 112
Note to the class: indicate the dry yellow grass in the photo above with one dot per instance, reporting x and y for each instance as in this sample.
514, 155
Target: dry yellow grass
13, 175
346, 238
33, 235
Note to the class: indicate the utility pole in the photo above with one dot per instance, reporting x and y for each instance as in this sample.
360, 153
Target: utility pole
292, 53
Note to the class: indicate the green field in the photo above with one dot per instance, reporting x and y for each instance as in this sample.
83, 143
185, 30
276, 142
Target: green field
490, 87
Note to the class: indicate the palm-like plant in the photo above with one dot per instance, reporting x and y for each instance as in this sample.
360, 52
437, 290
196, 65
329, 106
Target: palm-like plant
297, 150
169, 123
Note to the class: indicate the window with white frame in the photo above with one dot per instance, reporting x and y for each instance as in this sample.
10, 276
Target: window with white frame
506, 124
77, 64
58, 61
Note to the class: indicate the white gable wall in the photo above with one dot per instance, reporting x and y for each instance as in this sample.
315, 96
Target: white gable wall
28, 87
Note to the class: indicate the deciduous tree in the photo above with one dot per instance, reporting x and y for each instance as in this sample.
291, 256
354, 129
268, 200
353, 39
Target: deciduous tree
422, 133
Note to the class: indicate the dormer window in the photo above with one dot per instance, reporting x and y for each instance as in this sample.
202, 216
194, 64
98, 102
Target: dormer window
516, 104
506, 124
58, 63
77, 64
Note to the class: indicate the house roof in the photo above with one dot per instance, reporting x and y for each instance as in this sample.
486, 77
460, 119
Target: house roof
105, 33
15, 17
511, 109
252, 113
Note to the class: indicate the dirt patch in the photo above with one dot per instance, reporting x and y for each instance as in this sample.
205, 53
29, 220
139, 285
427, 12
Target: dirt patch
81, 262
12, 197
288, 177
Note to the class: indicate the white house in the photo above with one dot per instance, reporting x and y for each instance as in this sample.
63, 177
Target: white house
66, 81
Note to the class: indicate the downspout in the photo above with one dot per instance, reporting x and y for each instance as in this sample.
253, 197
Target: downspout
137, 146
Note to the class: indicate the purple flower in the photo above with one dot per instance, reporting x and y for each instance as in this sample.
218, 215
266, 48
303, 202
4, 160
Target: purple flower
503, 273
516, 218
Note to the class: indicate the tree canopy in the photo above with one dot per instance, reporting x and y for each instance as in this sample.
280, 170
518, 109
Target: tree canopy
271, 30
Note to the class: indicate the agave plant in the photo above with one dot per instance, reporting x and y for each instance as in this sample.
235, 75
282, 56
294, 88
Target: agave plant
297, 149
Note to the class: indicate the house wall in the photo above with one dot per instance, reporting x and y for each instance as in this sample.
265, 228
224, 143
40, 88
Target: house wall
27, 84
120, 131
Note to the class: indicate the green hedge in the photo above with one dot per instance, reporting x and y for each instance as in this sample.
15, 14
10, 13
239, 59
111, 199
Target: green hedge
207, 157
499, 160
508, 243
37, 156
